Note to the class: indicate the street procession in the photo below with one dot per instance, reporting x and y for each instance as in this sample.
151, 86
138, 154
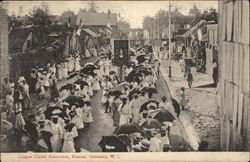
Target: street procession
94, 78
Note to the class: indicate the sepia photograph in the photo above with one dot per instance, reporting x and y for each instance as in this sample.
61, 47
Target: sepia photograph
116, 77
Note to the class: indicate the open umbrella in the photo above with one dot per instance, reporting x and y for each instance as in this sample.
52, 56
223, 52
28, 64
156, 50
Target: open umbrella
114, 93
48, 112
125, 139
67, 86
149, 90
127, 129
147, 104
133, 92
89, 64
141, 58
81, 83
164, 115
112, 144
122, 86
74, 100
152, 124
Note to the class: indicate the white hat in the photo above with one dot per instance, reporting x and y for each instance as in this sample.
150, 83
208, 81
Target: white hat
151, 104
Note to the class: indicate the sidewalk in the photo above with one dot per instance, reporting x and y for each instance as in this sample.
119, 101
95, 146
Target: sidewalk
200, 121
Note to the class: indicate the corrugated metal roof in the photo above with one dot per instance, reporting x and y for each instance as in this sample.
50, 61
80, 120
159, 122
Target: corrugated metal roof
193, 29
97, 19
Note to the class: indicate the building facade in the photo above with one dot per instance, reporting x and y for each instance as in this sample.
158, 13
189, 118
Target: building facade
4, 59
211, 47
233, 92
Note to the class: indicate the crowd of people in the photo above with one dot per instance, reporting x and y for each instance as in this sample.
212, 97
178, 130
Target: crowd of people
129, 96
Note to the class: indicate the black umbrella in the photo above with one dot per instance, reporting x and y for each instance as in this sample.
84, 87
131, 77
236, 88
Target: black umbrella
141, 58
112, 72
72, 100
176, 106
127, 129
87, 70
133, 92
67, 86
146, 104
125, 139
114, 93
164, 115
81, 83
48, 112
152, 123
112, 144
149, 90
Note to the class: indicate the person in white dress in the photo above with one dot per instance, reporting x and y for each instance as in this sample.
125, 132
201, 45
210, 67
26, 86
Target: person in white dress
96, 85
87, 113
90, 81
87, 53
68, 144
125, 111
156, 143
77, 63
135, 109
65, 70
9, 100
59, 71
57, 131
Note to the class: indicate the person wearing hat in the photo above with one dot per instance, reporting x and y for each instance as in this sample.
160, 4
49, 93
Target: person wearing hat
78, 119
135, 109
59, 71
155, 143
68, 143
125, 111
165, 139
72, 113
39, 116
56, 130
87, 114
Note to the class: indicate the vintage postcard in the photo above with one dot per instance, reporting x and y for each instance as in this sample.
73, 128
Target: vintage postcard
124, 80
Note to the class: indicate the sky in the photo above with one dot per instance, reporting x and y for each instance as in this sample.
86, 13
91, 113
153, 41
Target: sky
131, 11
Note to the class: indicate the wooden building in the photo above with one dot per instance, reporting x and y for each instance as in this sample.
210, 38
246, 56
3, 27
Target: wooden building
233, 91
212, 47
4, 58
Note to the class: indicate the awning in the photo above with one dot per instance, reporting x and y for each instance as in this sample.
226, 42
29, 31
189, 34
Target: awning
90, 32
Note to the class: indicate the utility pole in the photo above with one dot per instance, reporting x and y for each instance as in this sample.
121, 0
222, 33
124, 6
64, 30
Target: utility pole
169, 38
158, 27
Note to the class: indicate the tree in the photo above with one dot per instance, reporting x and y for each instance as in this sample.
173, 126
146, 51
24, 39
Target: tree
20, 11
68, 14
124, 25
92, 7
41, 18
210, 15
195, 12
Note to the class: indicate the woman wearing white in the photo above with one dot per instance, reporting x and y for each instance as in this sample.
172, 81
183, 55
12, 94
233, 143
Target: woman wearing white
125, 111
87, 54
90, 81
59, 71
96, 84
77, 63
68, 144
65, 70
57, 132
87, 114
